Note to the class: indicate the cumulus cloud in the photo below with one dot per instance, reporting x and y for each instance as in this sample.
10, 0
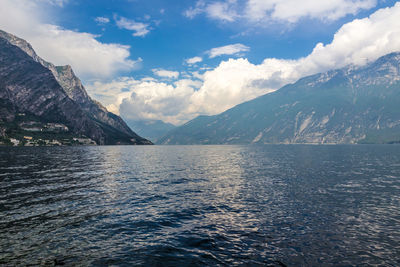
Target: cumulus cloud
166, 73
358, 42
232, 49
157, 100
88, 57
194, 60
278, 10
139, 29
238, 80
102, 20
147, 98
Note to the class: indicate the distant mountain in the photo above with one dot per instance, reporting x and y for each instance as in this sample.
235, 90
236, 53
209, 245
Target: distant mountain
52, 94
150, 129
344, 106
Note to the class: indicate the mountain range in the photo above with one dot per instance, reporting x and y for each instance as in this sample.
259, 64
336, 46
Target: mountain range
355, 104
150, 129
36, 92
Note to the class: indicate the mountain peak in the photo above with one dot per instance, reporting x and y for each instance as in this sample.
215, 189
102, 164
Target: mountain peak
29, 84
354, 104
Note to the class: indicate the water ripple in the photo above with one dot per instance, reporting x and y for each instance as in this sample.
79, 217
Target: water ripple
200, 205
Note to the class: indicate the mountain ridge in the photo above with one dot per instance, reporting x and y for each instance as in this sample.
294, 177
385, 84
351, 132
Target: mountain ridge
355, 104
71, 85
150, 129
90, 118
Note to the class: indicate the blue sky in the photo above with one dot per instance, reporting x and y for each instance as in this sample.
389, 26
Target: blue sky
132, 55
173, 37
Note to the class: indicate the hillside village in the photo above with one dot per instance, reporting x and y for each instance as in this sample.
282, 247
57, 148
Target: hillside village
29, 132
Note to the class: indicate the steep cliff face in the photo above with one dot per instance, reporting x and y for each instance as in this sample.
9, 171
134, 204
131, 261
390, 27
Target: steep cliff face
53, 94
349, 105
75, 90
72, 86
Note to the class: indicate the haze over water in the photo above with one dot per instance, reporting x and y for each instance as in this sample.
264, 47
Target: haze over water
275, 205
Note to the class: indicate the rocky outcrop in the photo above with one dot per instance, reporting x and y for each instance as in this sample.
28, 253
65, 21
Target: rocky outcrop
72, 86
31, 85
75, 90
344, 106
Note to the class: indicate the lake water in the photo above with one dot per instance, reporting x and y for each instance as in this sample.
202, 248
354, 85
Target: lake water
273, 205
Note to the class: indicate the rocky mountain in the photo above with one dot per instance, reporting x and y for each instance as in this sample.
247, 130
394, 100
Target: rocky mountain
52, 94
345, 106
150, 129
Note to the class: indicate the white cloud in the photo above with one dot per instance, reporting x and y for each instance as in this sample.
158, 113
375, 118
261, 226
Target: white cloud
139, 29
147, 98
197, 75
279, 10
357, 42
157, 100
232, 49
292, 10
193, 60
102, 20
88, 57
54, 2
238, 80
224, 11
194, 11
166, 73
110, 94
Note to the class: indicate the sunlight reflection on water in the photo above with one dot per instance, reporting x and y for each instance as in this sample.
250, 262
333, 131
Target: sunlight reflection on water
200, 205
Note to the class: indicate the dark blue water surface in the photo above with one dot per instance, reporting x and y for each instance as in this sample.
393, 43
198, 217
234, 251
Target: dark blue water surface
272, 205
